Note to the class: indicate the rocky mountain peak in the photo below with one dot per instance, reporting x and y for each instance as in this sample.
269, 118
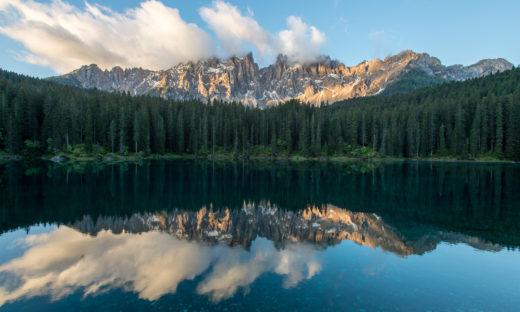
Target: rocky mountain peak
240, 78
433, 67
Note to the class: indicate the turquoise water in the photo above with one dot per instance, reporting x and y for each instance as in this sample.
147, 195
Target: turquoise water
255, 236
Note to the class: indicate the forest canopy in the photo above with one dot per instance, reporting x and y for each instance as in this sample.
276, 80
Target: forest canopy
479, 117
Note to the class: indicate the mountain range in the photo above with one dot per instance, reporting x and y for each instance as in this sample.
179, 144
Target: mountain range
240, 78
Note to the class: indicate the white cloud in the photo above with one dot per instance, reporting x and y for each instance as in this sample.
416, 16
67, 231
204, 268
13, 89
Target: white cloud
301, 42
152, 36
59, 35
150, 264
234, 29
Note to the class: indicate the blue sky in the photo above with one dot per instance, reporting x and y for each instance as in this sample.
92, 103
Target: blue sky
457, 32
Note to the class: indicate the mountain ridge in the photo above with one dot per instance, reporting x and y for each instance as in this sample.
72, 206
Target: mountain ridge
241, 79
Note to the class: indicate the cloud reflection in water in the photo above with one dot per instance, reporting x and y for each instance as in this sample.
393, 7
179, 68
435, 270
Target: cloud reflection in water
151, 264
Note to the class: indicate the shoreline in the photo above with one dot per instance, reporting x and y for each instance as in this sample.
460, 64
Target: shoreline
113, 158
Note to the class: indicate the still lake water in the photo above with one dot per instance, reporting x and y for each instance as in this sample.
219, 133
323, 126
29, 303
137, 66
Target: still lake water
253, 236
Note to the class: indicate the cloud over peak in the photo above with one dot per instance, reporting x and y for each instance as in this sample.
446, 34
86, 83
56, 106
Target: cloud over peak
152, 36
301, 42
235, 31
63, 37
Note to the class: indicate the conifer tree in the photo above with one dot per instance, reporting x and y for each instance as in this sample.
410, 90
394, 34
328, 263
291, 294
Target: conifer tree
113, 134
180, 132
304, 140
475, 133
459, 136
499, 133
442, 141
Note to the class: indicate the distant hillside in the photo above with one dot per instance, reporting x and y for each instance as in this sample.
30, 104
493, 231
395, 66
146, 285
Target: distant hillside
412, 80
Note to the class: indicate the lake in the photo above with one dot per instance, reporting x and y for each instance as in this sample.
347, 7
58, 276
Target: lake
191, 235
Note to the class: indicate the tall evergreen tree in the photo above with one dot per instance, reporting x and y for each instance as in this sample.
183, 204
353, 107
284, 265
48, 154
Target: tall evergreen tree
499, 133
513, 129
304, 139
442, 141
113, 135
180, 133
475, 133
459, 134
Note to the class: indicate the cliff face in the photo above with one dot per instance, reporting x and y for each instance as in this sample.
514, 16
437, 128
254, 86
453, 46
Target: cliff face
241, 80
322, 226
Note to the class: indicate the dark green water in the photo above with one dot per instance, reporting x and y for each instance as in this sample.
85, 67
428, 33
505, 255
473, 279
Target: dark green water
248, 236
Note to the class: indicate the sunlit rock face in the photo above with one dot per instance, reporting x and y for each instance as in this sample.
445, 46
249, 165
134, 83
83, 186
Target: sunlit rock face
240, 79
320, 226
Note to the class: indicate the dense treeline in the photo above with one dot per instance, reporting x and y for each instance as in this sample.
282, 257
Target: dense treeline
464, 119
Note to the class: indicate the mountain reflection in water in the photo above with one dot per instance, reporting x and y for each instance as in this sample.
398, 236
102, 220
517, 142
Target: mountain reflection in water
150, 254
320, 226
